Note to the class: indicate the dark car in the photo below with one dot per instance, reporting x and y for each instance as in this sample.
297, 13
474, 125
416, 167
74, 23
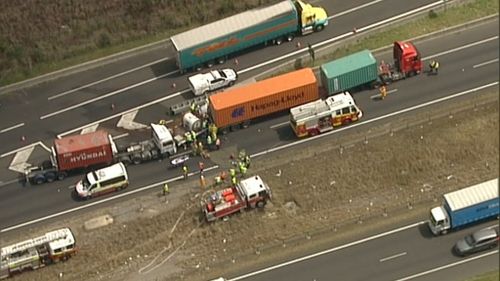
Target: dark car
480, 240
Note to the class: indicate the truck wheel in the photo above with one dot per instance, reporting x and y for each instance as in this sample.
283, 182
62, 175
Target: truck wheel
210, 64
61, 176
319, 28
261, 204
39, 179
289, 38
136, 160
221, 60
50, 177
278, 41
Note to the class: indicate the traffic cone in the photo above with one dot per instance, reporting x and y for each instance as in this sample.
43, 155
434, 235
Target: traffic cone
23, 138
354, 30
174, 85
113, 106
236, 61
298, 45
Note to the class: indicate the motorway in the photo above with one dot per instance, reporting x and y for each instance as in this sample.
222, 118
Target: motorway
469, 60
406, 253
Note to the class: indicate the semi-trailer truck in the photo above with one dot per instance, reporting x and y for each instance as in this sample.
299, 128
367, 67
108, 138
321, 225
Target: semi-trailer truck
360, 69
216, 41
465, 206
79, 153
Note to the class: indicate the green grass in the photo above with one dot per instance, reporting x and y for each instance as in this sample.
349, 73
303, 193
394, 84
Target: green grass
82, 30
432, 22
490, 276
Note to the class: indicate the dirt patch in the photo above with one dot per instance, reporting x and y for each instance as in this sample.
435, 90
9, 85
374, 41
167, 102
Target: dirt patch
321, 186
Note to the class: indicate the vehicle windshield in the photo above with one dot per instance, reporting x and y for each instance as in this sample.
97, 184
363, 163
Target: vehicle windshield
222, 73
86, 182
470, 240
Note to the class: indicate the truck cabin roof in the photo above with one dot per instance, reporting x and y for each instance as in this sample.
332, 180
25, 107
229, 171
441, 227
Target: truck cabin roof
161, 132
253, 185
407, 49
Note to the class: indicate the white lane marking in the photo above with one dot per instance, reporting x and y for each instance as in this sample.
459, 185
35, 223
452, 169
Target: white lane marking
377, 118
25, 147
89, 129
393, 257
105, 79
279, 125
12, 128
127, 111
140, 189
19, 162
354, 9
2, 183
447, 266
367, 239
461, 48
127, 121
342, 36
388, 92
389, 20
485, 63
120, 136
107, 95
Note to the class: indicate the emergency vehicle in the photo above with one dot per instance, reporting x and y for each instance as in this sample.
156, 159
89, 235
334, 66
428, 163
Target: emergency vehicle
323, 115
53, 246
249, 193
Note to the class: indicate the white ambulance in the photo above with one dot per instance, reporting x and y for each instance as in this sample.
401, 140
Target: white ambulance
103, 181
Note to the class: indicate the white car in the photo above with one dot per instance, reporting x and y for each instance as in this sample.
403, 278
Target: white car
203, 83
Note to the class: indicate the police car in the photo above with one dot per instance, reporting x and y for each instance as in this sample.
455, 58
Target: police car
203, 83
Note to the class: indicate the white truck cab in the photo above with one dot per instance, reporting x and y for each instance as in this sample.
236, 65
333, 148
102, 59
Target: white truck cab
439, 222
163, 139
203, 83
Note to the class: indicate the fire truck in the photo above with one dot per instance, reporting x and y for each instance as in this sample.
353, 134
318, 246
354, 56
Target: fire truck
53, 246
249, 193
320, 116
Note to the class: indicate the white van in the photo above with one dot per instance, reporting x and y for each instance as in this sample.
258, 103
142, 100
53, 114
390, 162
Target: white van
103, 181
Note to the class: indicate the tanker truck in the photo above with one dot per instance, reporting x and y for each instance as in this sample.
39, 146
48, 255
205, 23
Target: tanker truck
216, 41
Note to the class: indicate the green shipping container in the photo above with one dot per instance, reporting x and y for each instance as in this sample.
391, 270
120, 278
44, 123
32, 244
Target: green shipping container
349, 72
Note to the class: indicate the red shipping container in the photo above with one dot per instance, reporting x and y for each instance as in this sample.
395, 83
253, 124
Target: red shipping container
275, 94
81, 151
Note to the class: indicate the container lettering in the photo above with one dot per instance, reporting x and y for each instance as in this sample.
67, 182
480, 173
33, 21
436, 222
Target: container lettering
276, 103
85, 156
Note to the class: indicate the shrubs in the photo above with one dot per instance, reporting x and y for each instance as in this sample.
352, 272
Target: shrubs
36, 32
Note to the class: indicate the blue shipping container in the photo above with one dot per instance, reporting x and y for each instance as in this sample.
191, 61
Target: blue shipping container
224, 37
472, 204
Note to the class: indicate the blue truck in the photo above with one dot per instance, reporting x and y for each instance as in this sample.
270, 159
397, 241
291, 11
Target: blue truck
216, 41
465, 206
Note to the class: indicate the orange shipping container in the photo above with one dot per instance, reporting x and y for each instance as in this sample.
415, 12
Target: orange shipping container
261, 98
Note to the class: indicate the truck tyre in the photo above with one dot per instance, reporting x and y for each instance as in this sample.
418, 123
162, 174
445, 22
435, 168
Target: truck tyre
278, 41
235, 127
221, 60
261, 204
289, 37
50, 177
136, 160
39, 179
319, 28
61, 176
210, 64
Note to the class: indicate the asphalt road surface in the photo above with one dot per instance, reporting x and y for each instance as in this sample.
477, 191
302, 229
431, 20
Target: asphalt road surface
41, 112
406, 254
467, 61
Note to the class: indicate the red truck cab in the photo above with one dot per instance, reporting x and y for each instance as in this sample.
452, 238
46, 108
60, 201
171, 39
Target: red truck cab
407, 59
